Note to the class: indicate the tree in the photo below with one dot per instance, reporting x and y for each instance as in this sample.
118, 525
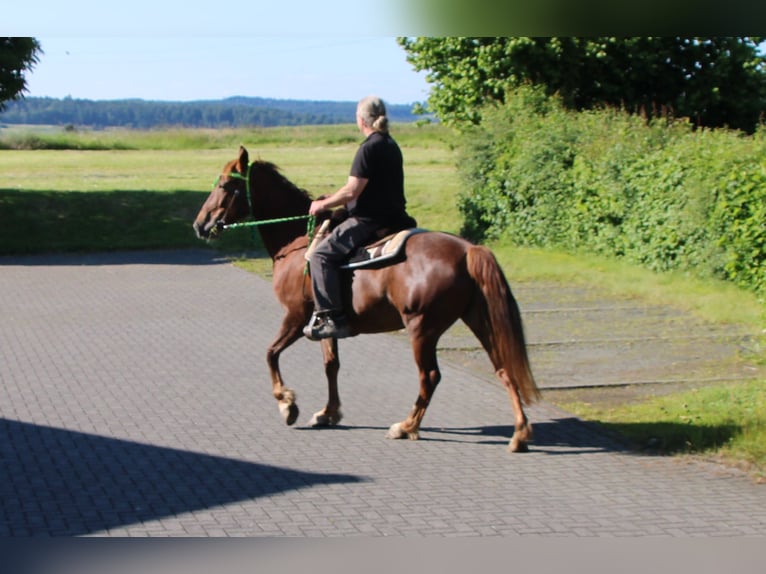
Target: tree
712, 81
17, 55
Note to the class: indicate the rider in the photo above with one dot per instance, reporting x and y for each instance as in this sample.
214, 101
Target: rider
374, 196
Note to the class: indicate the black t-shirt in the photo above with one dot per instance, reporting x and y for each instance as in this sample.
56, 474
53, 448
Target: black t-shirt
379, 160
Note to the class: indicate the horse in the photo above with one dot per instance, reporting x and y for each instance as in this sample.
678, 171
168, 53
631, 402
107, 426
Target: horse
439, 279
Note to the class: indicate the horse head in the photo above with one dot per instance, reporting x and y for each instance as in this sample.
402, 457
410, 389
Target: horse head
256, 190
228, 202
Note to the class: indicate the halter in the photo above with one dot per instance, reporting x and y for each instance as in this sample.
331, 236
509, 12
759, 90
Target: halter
310, 224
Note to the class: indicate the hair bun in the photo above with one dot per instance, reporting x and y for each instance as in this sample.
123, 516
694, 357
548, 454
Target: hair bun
372, 110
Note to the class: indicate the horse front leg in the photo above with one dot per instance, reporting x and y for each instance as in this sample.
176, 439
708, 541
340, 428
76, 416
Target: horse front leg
330, 415
288, 334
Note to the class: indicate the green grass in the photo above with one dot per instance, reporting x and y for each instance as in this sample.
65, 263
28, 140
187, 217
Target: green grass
121, 189
57, 138
728, 421
70, 201
137, 197
711, 300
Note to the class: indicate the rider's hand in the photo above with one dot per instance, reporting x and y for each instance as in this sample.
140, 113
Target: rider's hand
317, 207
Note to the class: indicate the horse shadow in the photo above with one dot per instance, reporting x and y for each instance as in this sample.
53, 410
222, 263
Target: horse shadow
559, 436
58, 482
572, 435
568, 436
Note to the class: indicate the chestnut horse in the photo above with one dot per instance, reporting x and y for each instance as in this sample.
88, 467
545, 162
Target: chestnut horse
441, 278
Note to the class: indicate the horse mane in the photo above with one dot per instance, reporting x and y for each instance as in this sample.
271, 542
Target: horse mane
281, 180
274, 197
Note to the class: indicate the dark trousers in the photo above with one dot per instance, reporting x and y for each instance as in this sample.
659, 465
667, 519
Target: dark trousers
330, 254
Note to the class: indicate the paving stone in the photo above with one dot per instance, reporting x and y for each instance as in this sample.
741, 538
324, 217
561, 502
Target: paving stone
135, 401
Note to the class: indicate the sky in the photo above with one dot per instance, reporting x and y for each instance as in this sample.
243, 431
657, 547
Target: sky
340, 50
183, 69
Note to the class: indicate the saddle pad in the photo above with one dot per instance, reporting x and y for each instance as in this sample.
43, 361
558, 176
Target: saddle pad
380, 251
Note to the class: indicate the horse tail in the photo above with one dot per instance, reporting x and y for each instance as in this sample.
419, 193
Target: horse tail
506, 343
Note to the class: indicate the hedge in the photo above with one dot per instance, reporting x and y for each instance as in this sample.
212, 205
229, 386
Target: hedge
659, 194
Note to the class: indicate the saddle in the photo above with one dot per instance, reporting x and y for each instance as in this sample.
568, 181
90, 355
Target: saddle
383, 252
380, 253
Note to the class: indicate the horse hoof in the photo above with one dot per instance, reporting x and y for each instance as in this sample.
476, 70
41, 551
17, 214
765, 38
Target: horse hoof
322, 419
517, 445
289, 413
520, 439
396, 432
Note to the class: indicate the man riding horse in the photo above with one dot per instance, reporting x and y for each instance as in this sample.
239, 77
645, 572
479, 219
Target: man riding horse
436, 278
374, 196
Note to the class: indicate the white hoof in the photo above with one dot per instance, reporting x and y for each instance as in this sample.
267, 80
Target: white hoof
289, 412
322, 419
396, 432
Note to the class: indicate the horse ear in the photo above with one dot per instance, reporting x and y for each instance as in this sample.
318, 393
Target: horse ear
242, 160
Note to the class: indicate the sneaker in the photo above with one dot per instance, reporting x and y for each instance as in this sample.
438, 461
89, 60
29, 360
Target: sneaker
324, 326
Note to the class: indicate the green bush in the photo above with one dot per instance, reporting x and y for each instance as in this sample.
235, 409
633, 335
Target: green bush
659, 194
507, 159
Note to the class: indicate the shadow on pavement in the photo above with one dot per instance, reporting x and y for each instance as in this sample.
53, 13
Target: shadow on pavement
65, 483
139, 257
560, 436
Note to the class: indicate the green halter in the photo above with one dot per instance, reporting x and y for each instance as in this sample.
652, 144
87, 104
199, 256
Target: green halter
310, 224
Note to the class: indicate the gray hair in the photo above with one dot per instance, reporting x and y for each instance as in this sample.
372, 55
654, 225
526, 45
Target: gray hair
372, 111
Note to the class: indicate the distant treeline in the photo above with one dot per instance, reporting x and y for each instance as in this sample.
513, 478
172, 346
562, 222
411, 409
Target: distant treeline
231, 112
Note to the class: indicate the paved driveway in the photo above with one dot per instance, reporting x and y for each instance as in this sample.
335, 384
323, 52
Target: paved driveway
135, 401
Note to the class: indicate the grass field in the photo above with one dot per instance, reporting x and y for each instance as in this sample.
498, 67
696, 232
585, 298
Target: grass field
116, 189
144, 197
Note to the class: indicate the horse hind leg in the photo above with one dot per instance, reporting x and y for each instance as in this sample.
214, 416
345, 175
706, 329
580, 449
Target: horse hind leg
522, 432
429, 376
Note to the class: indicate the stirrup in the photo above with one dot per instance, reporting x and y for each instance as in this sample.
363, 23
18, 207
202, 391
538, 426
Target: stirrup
326, 326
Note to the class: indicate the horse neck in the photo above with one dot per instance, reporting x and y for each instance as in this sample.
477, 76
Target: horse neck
273, 197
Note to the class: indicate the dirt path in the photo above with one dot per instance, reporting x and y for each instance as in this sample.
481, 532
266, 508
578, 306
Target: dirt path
585, 344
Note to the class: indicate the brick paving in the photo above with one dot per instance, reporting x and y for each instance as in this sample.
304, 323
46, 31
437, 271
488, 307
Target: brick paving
135, 402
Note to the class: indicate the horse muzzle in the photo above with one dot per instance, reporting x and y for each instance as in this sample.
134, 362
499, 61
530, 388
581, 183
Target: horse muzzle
208, 231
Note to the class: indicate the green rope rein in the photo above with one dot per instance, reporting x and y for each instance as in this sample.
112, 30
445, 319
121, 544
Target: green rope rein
310, 224
269, 221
